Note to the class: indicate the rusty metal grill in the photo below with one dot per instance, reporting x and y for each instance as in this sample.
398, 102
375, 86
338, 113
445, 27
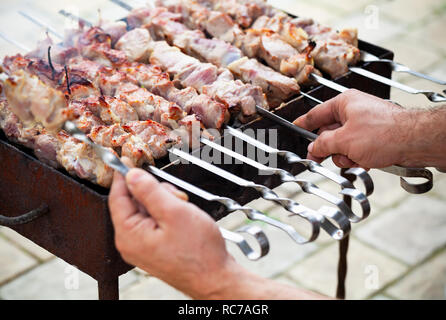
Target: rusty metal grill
74, 222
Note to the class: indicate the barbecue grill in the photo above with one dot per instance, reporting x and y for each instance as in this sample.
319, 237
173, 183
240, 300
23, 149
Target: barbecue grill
69, 217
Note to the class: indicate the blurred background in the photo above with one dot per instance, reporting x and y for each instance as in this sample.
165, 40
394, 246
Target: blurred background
399, 252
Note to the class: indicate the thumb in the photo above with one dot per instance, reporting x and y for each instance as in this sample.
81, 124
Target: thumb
152, 194
327, 144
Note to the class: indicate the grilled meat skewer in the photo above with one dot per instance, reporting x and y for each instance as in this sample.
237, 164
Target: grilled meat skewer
254, 43
334, 51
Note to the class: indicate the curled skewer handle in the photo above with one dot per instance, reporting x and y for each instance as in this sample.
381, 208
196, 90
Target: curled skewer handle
256, 215
415, 188
247, 250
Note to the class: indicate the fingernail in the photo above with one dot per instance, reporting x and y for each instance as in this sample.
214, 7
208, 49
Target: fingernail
310, 147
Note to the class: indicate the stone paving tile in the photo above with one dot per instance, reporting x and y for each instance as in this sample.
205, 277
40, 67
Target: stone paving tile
48, 281
409, 11
438, 71
13, 261
435, 29
417, 57
409, 232
388, 191
368, 271
417, 100
284, 252
25, 244
428, 281
439, 188
152, 289
233, 220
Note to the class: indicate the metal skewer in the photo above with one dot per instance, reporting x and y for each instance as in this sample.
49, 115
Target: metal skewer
12, 41
338, 87
305, 185
398, 67
115, 163
432, 96
313, 217
40, 23
309, 188
296, 209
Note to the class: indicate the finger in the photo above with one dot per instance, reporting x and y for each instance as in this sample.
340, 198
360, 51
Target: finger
177, 193
342, 161
119, 200
313, 158
333, 126
321, 115
146, 189
328, 144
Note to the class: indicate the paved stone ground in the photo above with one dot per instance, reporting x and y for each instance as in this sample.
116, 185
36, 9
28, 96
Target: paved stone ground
398, 253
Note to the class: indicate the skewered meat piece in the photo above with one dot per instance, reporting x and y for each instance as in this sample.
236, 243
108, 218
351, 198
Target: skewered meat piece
110, 110
158, 138
244, 12
154, 79
253, 43
143, 101
81, 160
194, 43
56, 150
32, 100
14, 129
334, 51
290, 33
114, 82
204, 77
186, 70
116, 29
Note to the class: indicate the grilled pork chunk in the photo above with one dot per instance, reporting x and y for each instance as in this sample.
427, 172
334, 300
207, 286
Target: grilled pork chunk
33, 101
249, 43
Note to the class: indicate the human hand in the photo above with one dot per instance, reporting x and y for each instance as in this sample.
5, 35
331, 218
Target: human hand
178, 242
359, 129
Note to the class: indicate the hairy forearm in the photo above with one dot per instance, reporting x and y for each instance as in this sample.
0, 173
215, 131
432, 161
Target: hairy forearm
236, 283
426, 143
